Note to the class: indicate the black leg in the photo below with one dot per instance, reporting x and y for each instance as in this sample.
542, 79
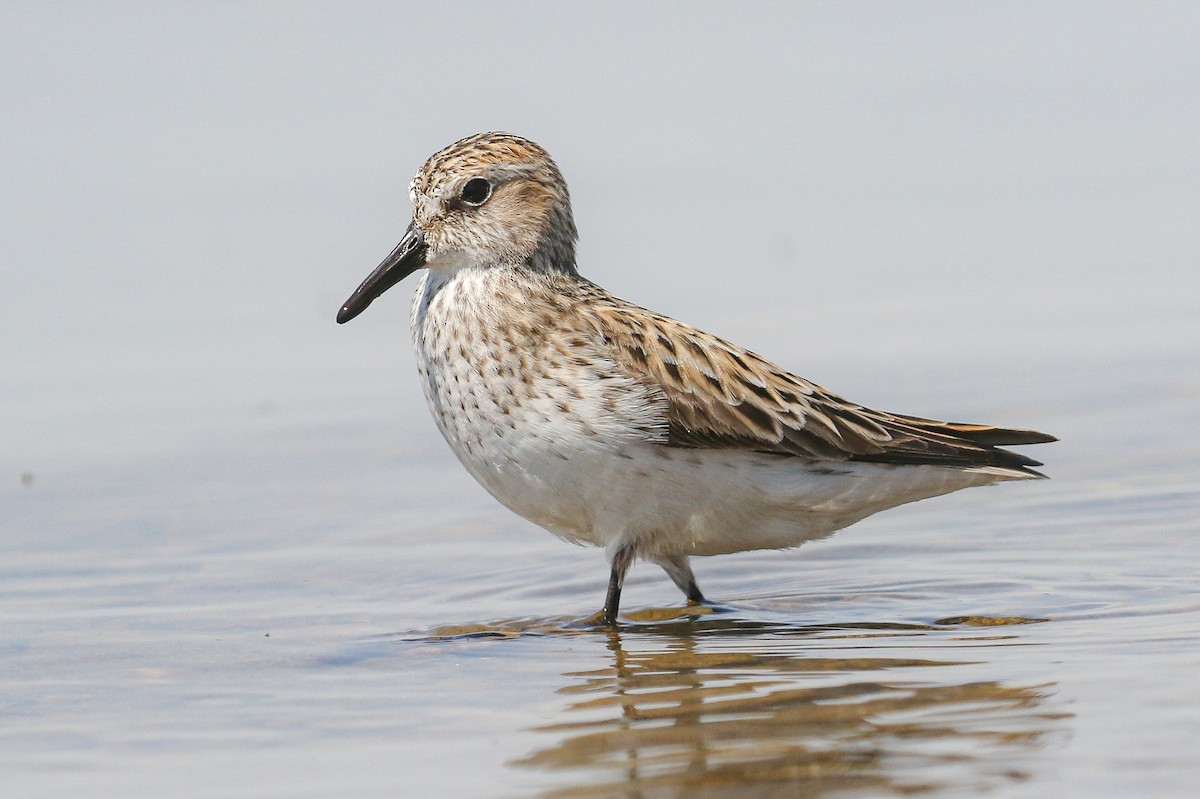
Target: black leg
612, 600
680, 572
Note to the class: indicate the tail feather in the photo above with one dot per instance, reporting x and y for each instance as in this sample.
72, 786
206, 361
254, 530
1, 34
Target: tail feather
962, 444
999, 436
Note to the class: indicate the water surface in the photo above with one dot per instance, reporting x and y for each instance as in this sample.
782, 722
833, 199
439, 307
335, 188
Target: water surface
192, 617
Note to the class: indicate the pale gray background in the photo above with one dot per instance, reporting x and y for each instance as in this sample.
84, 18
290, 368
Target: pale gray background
190, 191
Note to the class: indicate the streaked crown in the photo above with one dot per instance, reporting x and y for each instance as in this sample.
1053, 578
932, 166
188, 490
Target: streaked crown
494, 199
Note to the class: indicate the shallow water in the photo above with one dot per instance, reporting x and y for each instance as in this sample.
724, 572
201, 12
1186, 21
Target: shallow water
246, 617
236, 560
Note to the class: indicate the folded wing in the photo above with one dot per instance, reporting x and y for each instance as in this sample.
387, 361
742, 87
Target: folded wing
720, 396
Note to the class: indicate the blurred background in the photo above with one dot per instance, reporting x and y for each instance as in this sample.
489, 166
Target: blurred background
978, 212
190, 191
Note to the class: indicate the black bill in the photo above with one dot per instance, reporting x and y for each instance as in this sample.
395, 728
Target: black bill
408, 257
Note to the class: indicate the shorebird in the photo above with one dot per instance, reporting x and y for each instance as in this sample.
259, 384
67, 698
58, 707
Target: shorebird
611, 425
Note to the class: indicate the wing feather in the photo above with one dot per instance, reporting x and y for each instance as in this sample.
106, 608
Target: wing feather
720, 396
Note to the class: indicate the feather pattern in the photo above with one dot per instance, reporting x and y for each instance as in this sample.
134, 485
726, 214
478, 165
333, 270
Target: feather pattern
721, 396
612, 425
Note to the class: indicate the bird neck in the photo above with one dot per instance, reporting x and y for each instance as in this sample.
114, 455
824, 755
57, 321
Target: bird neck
556, 251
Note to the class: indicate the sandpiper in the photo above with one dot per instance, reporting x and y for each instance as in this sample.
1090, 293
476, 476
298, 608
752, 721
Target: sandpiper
611, 425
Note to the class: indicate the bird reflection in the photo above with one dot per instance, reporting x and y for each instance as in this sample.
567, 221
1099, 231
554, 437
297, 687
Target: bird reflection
698, 710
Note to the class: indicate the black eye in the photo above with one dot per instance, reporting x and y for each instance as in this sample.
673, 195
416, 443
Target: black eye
476, 191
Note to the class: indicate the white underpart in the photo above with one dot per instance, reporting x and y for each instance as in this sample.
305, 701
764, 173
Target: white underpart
592, 475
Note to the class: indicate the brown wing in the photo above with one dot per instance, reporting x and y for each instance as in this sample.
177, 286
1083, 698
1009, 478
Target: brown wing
720, 396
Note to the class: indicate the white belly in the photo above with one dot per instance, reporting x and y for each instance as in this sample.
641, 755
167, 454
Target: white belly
570, 446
